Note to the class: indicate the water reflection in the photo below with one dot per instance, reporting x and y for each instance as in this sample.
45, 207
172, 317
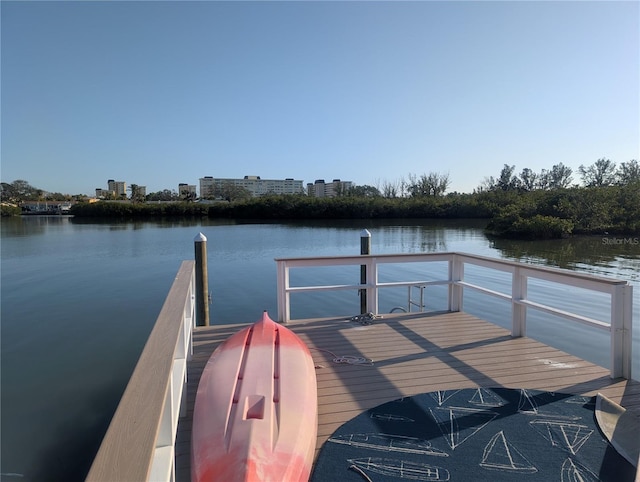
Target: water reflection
30, 225
572, 253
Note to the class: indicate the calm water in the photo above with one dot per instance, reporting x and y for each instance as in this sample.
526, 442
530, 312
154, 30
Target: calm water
79, 300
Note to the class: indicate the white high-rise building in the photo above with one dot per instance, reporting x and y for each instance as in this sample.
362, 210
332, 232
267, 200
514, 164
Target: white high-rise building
210, 187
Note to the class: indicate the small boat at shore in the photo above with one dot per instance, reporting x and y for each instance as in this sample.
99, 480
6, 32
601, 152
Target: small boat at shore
256, 409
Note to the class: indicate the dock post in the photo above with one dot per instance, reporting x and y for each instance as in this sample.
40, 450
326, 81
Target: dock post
365, 248
202, 281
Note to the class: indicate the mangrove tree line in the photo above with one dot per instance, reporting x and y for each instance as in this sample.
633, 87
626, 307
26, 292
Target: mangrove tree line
545, 204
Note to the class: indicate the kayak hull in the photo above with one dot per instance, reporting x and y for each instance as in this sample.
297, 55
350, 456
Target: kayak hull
255, 414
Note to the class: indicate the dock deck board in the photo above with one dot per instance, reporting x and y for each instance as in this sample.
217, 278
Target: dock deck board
414, 353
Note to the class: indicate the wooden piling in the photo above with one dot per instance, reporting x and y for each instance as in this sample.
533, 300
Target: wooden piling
365, 248
202, 281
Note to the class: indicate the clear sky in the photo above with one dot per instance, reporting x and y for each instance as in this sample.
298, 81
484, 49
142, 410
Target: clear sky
156, 93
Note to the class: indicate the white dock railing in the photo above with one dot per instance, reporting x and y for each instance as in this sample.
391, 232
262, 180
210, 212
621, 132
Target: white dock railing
620, 292
139, 443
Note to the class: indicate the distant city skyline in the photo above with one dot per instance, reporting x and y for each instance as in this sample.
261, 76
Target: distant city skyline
256, 185
158, 93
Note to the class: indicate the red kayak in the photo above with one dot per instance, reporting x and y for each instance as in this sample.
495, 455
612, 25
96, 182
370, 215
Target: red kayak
256, 410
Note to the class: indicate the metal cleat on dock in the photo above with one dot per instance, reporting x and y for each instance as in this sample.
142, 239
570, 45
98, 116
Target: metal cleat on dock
365, 318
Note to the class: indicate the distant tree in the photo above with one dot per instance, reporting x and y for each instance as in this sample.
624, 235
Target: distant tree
628, 172
20, 191
231, 192
558, 177
339, 189
391, 189
189, 196
542, 182
57, 196
507, 181
487, 184
438, 183
363, 191
164, 195
600, 173
528, 180
136, 194
404, 187
8, 209
433, 184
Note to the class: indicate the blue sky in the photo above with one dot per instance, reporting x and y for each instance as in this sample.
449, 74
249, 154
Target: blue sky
158, 93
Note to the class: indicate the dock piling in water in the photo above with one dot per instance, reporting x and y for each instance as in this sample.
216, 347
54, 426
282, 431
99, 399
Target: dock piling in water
202, 281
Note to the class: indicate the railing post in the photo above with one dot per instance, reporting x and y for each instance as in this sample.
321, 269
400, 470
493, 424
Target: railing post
372, 290
365, 248
282, 291
202, 281
191, 314
456, 274
621, 312
518, 311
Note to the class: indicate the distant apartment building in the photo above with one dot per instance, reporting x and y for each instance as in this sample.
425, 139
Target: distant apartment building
187, 190
104, 193
118, 190
328, 189
210, 186
117, 187
141, 191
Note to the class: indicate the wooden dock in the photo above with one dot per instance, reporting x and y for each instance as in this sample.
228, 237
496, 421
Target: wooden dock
413, 353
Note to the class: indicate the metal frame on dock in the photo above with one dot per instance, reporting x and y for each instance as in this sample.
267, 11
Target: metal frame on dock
621, 292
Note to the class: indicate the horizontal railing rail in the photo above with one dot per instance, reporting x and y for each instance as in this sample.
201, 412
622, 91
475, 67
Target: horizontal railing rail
620, 291
139, 443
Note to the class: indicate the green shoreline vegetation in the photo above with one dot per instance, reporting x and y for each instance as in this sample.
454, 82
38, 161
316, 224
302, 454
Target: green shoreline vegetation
524, 206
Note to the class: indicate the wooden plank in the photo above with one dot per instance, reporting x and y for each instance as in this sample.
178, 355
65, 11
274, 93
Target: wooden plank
416, 353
